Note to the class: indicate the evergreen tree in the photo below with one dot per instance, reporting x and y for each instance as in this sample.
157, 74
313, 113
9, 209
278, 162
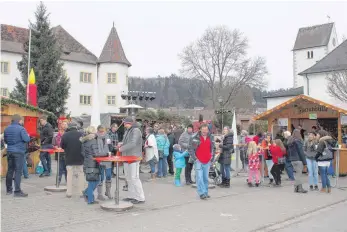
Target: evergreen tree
52, 84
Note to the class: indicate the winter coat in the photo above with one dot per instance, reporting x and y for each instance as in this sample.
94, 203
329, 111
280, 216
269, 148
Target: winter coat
227, 149
71, 144
57, 143
310, 149
89, 149
103, 146
132, 142
321, 146
163, 144
295, 150
254, 161
151, 149
172, 141
114, 140
16, 137
46, 134
184, 141
179, 158
276, 153
195, 143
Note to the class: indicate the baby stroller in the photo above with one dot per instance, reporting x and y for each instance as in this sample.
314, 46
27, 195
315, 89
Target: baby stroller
214, 172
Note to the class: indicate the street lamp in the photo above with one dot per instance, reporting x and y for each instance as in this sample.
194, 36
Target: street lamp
222, 111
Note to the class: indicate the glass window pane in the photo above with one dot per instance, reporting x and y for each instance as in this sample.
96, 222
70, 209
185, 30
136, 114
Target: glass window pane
81, 77
81, 99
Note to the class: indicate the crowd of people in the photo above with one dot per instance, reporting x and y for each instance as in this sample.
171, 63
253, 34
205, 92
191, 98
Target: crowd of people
167, 150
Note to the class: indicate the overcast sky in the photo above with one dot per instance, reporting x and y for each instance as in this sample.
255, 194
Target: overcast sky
153, 33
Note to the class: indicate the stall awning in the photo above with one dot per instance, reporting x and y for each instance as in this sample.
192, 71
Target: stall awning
295, 102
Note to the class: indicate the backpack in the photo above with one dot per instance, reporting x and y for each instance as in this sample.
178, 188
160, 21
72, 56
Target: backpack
328, 153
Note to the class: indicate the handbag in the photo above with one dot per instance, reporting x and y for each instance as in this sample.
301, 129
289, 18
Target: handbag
281, 160
92, 174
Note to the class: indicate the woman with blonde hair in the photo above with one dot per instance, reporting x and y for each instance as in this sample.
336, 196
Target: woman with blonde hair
253, 164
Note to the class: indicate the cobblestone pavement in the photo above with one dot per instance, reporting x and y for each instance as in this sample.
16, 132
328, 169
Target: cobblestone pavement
167, 208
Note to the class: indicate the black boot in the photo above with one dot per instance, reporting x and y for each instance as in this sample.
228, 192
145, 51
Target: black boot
295, 188
226, 184
223, 182
301, 189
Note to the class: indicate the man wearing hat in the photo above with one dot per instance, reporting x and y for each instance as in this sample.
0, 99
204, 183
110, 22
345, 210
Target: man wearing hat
71, 144
16, 137
132, 146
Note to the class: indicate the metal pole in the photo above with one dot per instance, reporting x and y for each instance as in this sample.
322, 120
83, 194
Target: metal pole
28, 66
222, 119
57, 176
117, 184
337, 168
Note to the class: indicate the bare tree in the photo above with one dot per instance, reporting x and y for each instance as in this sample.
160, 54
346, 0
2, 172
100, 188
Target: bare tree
219, 58
337, 85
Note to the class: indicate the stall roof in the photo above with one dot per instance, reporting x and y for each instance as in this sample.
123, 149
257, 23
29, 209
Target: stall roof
299, 98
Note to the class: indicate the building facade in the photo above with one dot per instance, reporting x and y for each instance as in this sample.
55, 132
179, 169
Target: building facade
80, 65
317, 54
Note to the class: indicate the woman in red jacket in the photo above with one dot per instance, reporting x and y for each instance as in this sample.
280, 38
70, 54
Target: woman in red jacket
277, 151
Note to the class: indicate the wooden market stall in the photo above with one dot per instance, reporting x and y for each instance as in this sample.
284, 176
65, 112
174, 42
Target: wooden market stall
10, 107
307, 112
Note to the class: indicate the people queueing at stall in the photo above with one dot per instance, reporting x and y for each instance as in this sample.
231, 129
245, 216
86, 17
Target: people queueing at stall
286, 152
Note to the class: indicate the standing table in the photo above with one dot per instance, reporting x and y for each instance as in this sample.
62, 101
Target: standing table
56, 187
117, 205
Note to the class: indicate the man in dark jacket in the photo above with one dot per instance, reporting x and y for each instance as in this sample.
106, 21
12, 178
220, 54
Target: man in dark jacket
171, 137
46, 136
16, 137
71, 144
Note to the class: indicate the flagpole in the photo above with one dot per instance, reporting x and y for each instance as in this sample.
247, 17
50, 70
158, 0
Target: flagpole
28, 66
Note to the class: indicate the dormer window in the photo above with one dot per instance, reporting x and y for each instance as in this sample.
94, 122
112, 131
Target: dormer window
309, 54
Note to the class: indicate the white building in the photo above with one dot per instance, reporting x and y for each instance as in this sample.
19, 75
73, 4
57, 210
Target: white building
80, 65
316, 54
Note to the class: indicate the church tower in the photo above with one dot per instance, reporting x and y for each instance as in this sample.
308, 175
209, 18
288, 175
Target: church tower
311, 45
112, 74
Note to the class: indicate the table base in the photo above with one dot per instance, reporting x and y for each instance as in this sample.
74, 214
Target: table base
122, 177
111, 206
54, 188
210, 186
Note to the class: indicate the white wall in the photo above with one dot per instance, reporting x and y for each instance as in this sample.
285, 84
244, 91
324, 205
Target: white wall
73, 70
332, 37
116, 89
273, 102
9, 80
318, 90
301, 62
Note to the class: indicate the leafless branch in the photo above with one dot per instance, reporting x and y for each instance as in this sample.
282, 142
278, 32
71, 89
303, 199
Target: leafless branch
337, 85
219, 59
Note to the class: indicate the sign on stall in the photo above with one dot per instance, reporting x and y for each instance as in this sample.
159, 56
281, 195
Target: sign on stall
283, 121
312, 116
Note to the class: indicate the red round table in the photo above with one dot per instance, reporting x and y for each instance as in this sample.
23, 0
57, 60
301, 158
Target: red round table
55, 188
118, 206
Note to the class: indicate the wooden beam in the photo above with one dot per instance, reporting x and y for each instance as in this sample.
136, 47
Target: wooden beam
339, 128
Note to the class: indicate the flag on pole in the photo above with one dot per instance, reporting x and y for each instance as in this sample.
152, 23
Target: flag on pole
32, 89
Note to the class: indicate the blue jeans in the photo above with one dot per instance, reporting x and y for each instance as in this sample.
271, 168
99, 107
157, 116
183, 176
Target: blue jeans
45, 158
105, 171
62, 169
225, 170
89, 192
152, 165
162, 167
312, 167
25, 167
289, 169
331, 170
324, 176
14, 166
201, 176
